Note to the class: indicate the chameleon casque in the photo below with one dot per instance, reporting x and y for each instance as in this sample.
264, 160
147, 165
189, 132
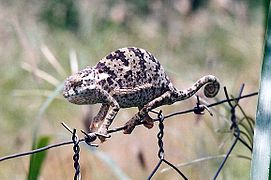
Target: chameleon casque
128, 77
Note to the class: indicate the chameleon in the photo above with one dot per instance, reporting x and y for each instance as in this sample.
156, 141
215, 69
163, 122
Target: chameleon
129, 77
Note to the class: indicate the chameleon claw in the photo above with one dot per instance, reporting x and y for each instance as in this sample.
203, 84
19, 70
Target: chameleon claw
208, 110
148, 122
128, 128
100, 135
148, 125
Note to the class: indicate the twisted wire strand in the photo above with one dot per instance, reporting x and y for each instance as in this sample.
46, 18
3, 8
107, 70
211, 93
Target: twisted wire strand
234, 126
76, 156
161, 151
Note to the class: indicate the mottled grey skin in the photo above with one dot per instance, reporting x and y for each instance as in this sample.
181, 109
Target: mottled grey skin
129, 77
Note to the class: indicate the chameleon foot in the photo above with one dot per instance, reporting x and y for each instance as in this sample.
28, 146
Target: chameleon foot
148, 122
102, 134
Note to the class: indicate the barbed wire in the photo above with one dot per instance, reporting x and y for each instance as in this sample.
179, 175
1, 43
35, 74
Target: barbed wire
113, 130
234, 126
161, 151
198, 109
76, 150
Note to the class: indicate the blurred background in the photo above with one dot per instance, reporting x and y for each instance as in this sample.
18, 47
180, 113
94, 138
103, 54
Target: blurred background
42, 42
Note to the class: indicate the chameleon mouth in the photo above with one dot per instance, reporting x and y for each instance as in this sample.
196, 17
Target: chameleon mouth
65, 94
72, 94
68, 92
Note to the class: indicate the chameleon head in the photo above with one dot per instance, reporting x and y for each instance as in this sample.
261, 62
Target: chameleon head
80, 88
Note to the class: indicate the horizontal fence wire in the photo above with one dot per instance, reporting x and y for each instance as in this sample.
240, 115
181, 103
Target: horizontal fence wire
198, 109
113, 130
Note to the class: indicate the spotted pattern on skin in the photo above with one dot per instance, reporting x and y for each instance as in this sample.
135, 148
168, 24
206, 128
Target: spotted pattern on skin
129, 77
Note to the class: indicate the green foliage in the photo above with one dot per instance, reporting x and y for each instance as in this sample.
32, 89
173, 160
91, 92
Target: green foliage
266, 4
37, 160
196, 4
247, 125
61, 14
142, 7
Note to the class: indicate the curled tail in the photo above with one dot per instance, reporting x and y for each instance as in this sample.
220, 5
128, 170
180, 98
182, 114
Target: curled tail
210, 90
212, 86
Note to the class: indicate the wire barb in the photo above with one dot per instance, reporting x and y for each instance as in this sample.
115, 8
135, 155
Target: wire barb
199, 108
89, 138
66, 127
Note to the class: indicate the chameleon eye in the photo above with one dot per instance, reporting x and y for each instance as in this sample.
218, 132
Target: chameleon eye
76, 83
75, 80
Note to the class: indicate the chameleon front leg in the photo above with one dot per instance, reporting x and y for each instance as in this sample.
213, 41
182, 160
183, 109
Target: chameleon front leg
159, 101
95, 123
111, 114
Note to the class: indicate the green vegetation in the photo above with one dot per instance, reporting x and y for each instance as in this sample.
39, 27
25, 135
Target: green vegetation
36, 160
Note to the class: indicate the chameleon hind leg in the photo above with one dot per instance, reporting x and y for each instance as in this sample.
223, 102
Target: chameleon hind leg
159, 101
147, 120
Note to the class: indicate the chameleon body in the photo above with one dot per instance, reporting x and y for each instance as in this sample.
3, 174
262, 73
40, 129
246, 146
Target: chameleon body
129, 77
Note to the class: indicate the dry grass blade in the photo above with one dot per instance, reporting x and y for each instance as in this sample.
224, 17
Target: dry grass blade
52, 60
73, 61
34, 92
208, 158
41, 74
